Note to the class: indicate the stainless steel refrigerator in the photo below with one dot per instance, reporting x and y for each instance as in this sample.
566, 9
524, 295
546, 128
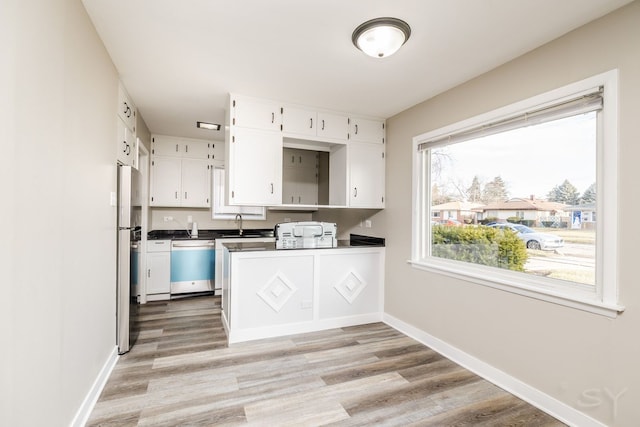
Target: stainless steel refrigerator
128, 228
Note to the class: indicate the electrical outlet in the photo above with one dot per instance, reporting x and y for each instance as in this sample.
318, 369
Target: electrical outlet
168, 218
287, 220
189, 218
367, 223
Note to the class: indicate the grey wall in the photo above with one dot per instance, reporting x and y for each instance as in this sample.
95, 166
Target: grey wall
59, 96
561, 351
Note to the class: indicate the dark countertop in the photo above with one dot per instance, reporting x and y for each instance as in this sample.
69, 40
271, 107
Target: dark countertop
356, 242
209, 234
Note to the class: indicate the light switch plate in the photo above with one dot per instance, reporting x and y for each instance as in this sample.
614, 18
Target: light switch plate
114, 199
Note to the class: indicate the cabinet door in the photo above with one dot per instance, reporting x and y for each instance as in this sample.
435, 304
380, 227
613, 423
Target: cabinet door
166, 146
125, 144
195, 183
255, 168
256, 114
166, 176
364, 130
299, 121
158, 272
196, 149
126, 109
333, 126
366, 175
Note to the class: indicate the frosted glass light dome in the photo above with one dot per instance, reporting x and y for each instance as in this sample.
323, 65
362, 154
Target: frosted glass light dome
381, 37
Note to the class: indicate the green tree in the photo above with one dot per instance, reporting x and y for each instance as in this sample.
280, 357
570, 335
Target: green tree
589, 195
564, 193
474, 192
495, 191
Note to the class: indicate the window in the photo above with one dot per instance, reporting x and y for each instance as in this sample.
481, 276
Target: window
522, 172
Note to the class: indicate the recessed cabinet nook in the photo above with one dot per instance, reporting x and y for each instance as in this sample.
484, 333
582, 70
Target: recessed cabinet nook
297, 157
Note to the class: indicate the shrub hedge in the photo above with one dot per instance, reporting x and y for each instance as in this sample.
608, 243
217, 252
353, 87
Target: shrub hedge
480, 245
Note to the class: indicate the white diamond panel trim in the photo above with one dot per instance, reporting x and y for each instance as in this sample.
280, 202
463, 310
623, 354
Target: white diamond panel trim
350, 286
277, 291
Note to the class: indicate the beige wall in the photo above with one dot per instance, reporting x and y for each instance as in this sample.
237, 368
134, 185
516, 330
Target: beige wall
58, 271
561, 351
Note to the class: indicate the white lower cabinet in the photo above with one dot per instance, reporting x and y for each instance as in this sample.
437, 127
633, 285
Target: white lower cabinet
273, 293
158, 275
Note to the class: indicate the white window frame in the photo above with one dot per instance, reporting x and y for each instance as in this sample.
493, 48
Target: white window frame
601, 299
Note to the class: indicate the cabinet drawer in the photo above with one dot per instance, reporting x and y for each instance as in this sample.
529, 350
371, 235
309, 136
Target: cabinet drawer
158, 245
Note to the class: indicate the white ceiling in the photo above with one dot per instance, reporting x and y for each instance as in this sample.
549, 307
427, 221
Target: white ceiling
179, 59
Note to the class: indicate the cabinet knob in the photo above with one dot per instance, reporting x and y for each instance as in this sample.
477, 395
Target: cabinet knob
355, 191
322, 124
311, 123
272, 188
356, 129
273, 117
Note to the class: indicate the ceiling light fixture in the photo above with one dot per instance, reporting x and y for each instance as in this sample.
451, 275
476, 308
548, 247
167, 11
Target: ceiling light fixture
210, 126
381, 37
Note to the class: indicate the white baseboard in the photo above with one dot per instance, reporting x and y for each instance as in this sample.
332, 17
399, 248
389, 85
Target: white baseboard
543, 401
83, 413
249, 334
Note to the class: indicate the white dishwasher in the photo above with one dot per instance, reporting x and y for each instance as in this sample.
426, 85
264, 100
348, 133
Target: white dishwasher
192, 266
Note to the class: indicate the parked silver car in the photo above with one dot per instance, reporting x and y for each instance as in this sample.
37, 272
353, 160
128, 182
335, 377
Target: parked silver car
531, 238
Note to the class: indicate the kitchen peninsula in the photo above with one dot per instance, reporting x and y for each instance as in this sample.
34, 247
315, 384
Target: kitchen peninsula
268, 292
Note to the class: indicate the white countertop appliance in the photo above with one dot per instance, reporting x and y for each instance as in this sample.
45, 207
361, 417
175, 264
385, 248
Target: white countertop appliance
306, 234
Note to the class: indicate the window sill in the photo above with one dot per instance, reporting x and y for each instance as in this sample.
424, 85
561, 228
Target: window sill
498, 281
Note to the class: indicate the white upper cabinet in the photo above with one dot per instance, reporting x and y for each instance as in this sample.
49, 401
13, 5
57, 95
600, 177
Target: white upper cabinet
126, 143
299, 121
256, 113
162, 145
166, 181
180, 172
366, 130
333, 126
260, 173
254, 168
126, 109
366, 175
305, 123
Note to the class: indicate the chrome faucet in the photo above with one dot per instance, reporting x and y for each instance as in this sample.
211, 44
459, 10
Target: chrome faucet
239, 222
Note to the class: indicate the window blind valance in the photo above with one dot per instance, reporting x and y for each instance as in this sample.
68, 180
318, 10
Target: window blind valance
586, 102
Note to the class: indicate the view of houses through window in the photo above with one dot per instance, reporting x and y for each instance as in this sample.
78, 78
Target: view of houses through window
523, 199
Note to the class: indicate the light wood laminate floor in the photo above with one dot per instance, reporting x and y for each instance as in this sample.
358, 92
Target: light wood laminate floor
182, 373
